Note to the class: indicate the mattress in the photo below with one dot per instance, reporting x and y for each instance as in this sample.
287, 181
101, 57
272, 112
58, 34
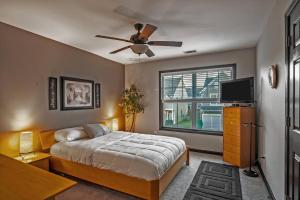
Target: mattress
138, 155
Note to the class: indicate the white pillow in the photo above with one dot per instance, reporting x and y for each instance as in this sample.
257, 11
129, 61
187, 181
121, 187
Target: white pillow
106, 129
93, 130
70, 134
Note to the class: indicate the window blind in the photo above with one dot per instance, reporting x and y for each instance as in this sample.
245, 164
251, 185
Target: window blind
197, 84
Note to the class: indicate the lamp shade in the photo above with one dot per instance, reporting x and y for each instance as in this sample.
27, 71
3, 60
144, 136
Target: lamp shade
26, 144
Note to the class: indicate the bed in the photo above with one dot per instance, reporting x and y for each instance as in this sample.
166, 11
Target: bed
141, 165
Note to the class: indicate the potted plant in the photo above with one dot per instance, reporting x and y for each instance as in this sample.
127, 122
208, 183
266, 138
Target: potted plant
132, 104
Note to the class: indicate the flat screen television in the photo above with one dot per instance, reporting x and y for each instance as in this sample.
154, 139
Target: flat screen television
237, 91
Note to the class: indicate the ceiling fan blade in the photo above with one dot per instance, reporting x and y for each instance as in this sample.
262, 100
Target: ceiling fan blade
113, 38
149, 53
147, 31
118, 50
165, 43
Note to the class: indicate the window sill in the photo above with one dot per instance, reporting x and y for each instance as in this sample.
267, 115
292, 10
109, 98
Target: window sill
214, 133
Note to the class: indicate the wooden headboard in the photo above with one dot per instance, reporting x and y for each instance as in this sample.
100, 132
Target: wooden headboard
47, 139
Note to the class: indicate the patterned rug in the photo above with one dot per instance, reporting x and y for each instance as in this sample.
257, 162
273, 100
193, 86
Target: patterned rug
214, 181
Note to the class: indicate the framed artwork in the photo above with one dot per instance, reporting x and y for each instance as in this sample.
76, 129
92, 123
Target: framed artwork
97, 95
76, 94
52, 93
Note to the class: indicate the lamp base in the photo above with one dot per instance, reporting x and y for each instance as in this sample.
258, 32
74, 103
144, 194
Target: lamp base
251, 173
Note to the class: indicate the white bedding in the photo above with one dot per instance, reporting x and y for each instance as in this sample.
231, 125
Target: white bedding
138, 155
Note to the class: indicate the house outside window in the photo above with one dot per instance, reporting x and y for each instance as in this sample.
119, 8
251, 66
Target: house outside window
190, 98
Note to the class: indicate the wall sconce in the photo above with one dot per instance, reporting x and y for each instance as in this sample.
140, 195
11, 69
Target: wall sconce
273, 76
26, 142
115, 124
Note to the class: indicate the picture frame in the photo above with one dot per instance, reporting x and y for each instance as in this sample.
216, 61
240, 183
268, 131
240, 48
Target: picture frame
76, 93
97, 95
52, 93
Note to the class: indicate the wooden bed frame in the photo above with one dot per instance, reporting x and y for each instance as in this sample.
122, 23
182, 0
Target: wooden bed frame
131, 185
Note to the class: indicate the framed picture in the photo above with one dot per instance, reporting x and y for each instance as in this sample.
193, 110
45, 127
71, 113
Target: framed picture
52, 93
97, 95
76, 94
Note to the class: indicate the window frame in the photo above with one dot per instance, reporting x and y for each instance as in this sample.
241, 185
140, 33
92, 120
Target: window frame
193, 101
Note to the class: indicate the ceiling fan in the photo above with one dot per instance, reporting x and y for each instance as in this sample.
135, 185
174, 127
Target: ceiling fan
139, 40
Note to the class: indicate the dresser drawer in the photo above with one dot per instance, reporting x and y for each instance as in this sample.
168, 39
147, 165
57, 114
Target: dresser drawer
231, 130
231, 158
231, 148
42, 164
231, 140
232, 121
231, 118
232, 112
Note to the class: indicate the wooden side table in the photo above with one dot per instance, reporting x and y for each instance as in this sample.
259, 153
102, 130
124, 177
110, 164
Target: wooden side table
38, 159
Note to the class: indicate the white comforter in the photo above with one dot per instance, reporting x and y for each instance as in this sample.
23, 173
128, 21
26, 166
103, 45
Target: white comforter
139, 155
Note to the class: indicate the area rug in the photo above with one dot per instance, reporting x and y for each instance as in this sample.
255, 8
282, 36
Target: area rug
214, 181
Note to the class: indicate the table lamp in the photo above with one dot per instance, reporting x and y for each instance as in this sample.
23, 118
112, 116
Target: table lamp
26, 142
115, 124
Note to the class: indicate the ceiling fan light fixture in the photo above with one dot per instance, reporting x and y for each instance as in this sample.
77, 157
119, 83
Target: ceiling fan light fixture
139, 48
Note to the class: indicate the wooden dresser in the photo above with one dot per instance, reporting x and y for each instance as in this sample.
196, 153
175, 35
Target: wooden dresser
21, 181
236, 135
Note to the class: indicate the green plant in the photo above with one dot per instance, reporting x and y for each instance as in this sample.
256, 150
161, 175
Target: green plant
132, 103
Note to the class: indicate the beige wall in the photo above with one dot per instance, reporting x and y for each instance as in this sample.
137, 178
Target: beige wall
146, 78
271, 102
26, 62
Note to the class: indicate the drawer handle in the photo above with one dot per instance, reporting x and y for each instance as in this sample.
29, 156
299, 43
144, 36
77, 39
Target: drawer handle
245, 125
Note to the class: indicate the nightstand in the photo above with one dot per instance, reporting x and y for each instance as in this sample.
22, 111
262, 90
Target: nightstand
38, 159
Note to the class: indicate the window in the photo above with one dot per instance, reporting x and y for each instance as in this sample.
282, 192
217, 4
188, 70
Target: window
189, 99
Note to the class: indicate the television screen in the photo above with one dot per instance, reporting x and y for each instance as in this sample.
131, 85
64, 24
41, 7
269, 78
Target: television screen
238, 91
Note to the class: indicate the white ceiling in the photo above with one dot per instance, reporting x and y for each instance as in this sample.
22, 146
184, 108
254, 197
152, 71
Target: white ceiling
203, 25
